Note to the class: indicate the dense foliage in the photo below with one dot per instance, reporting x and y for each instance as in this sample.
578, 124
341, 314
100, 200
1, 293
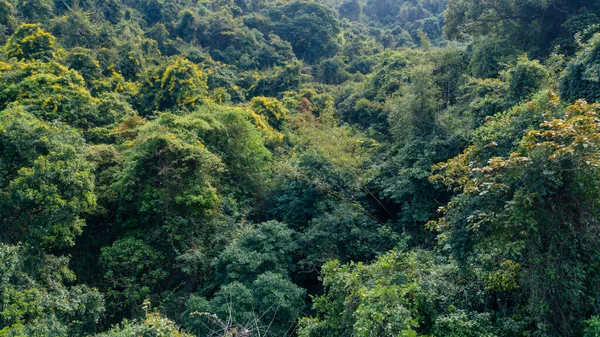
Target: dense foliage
412, 168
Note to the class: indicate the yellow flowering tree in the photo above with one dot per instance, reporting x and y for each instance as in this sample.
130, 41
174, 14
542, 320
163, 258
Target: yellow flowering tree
49, 90
30, 42
177, 84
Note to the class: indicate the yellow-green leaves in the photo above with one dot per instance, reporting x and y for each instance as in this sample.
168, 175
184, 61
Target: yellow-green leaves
47, 183
49, 90
392, 296
574, 136
153, 325
268, 115
30, 42
177, 84
526, 203
272, 109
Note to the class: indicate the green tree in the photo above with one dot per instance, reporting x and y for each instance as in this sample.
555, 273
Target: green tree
7, 18
268, 307
132, 269
592, 327
83, 61
332, 71
47, 182
75, 29
525, 209
40, 299
525, 78
528, 25
310, 28
154, 325
264, 247
165, 184
188, 24
414, 112
582, 74
35, 10
351, 10
276, 81
396, 295
229, 133
463, 324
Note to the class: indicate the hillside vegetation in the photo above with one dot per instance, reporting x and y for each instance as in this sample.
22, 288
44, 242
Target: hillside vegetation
329, 168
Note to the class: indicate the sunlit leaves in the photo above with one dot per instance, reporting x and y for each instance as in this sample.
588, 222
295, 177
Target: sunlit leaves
521, 201
46, 181
153, 325
48, 90
177, 84
29, 42
393, 296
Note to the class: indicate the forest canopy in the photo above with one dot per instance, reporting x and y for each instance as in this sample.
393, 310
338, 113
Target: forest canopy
309, 168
